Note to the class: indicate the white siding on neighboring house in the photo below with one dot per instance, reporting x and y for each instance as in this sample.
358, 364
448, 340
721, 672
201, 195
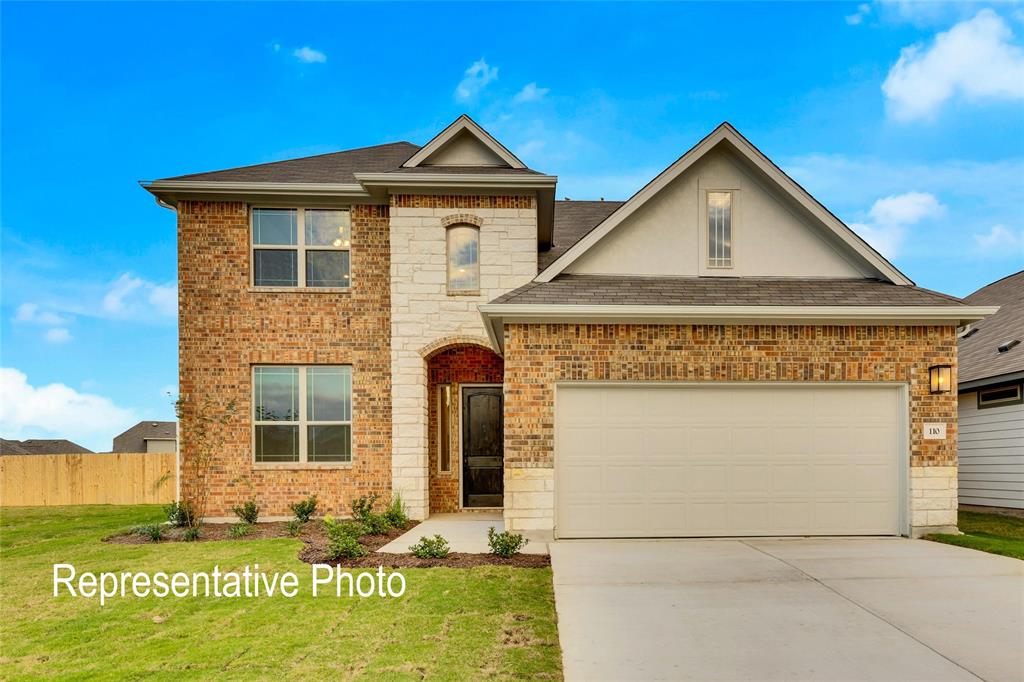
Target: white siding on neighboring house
991, 452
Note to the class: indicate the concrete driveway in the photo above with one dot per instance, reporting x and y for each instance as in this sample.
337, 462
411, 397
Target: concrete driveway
787, 609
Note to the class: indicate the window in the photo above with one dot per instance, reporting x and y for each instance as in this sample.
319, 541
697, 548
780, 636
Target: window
719, 229
302, 414
463, 259
444, 430
999, 396
295, 247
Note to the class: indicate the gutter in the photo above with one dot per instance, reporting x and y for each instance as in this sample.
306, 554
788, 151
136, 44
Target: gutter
495, 315
466, 180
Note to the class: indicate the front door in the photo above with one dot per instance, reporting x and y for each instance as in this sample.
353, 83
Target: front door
483, 447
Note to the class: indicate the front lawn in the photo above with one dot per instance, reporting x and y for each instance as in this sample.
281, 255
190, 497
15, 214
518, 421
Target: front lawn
992, 533
485, 622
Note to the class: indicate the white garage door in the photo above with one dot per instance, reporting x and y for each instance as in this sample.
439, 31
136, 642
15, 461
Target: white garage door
689, 461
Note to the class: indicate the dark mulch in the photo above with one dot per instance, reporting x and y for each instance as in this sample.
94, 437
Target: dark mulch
315, 543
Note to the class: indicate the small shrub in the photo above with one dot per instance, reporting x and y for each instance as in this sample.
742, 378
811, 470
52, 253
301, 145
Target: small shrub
362, 506
240, 530
248, 512
431, 548
395, 513
505, 544
345, 547
335, 528
375, 524
179, 513
153, 531
294, 527
191, 535
303, 509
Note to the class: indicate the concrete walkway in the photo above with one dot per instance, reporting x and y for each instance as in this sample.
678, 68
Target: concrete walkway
465, 532
788, 609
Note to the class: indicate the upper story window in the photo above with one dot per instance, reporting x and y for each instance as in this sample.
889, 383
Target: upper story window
719, 229
463, 259
301, 247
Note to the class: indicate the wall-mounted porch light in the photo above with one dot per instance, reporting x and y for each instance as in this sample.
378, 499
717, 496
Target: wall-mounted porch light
940, 378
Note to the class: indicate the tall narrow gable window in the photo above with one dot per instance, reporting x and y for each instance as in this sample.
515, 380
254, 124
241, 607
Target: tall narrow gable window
296, 247
463, 259
302, 414
719, 229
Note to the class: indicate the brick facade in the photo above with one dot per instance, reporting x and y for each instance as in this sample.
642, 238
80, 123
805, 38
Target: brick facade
454, 366
539, 355
225, 328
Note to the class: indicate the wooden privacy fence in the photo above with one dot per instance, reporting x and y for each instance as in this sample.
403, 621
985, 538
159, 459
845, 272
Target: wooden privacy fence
114, 478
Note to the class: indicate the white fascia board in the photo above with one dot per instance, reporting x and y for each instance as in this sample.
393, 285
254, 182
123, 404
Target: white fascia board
474, 180
752, 154
463, 122
697, 314
261, 188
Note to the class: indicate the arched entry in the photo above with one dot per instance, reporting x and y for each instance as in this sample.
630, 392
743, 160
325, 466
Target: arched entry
465, 439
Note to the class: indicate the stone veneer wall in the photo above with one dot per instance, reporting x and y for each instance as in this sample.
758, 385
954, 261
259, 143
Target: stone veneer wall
456, 365
539, 355
225, 328
423, 315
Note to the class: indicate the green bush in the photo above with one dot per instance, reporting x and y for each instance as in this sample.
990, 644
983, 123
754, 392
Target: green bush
179, 513
505, 544
240, 530
294, 527
343, 539
362, 511
362, 506
248, 512
303, 509
375, 524
191, 535
431, 548
153, 531
395, 513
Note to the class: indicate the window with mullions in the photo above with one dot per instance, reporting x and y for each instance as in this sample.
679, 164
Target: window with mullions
301, 247
302, 414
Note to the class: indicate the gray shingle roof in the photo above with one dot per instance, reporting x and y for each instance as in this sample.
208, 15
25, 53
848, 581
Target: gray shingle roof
456, 170
134, 439
41, 446
573, 220
336, 167
979, 353
615, 290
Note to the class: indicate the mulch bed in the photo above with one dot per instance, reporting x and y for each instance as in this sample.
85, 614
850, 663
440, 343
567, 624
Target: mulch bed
315, 543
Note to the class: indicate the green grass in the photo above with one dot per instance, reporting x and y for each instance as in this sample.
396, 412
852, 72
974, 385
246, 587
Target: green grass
452, 624
992, 533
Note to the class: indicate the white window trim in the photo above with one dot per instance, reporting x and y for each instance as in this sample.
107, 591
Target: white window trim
439, 405
448, 261
705, 228
300, 246
302, 422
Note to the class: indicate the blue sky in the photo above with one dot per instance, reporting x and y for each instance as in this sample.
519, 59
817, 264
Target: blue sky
907, 120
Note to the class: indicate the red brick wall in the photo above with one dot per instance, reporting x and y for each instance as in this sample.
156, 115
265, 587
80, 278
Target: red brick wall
538, 355
455, 366
225, 328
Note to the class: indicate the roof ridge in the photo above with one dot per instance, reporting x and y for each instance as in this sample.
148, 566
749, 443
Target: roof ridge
990, 284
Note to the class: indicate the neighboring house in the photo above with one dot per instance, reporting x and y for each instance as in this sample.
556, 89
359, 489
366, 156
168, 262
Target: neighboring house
991, 387
36, 446
718, 355
148, 437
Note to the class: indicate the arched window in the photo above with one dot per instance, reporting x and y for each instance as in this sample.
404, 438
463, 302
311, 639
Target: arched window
463, 259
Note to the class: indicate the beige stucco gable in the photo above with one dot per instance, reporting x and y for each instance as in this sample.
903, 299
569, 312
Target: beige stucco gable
772, 237
464, 149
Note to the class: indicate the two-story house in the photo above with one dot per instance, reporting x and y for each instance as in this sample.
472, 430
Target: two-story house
718, 355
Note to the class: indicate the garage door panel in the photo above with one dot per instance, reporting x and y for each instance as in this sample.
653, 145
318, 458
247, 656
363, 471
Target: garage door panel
726, 460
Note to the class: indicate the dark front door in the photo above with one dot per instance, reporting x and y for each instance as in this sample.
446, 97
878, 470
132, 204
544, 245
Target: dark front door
483, 447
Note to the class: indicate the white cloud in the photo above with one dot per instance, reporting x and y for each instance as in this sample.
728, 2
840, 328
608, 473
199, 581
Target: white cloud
475, 79
132, 297
975, 59
308, 55
1001, 241
58, 411
891, 216
57, 335
863, 10
530, 93
32, 313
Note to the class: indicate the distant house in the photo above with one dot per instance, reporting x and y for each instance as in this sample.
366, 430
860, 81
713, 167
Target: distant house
56, 446
991, 388
148, 436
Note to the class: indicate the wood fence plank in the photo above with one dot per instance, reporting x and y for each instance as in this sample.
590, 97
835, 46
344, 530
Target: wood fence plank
115, 478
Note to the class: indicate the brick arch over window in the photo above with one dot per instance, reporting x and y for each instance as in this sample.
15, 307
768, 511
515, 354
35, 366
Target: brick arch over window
443, 344
462, 219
